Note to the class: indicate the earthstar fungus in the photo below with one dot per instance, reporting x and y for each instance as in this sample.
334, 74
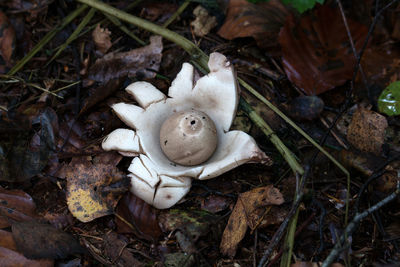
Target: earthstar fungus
162, 177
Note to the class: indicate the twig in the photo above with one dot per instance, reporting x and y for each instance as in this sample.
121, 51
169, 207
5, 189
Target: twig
352, 226
298, 231
281, 230
376, 174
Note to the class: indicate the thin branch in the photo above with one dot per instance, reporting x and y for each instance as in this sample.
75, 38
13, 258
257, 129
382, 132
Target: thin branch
352, 226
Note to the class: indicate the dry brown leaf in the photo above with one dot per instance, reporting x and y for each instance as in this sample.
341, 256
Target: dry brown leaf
143, 62
114, 249
203, 23
141, 216
15, 205
7, 43
239, 220
317, 55
9, 257
99, 93
367, 130
7, 240
101, 38
158, 11
38, 241
93, 189
262, 21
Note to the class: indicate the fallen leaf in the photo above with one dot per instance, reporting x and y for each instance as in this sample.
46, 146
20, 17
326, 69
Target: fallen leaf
203, 22
305, 107
114, 249
140, 215
10, 258
215, 203
157, 11
26, 153
260, 21
37, 240
179, 260
246, 205
15, 205
192, 223
7, 240
381, 65
101, 38
142, 62
7, 43
99, 93
94, 188
362, 162
367, 130
317, 55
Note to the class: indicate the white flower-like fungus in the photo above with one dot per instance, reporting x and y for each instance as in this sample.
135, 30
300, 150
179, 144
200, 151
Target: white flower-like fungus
154, 178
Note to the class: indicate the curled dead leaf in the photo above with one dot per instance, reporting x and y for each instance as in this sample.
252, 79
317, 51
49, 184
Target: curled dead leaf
102, 39
245, 207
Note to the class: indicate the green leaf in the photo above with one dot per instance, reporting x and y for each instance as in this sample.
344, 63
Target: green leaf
302, 5
389, 100
299, 5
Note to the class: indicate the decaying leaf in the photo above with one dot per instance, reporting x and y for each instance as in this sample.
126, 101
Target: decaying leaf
142, 218
25, 153
7, 43
246, 205
7, 240
215, 203
37, 240
114, 249
262, 21
143, 62
188, 226
94, 188
317, 55
15, 205
10, 257
99, 93
102, 39
158, 11
203, 23
305, 107
367, 130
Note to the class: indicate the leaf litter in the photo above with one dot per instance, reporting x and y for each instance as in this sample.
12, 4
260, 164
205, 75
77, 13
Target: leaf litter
50, 149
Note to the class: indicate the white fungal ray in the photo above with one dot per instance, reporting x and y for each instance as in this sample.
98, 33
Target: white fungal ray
145, 93
156, 179
130, 114
182, 85
122, 140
